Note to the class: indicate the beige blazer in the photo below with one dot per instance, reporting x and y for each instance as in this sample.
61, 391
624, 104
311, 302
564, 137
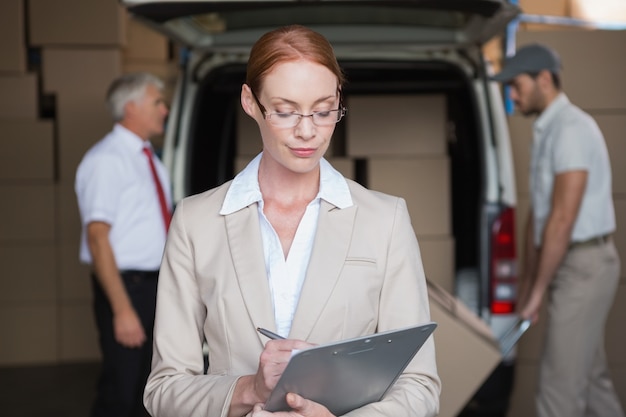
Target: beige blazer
365, 275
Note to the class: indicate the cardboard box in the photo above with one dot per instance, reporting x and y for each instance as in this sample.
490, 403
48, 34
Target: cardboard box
82, 116
438, 259
400, 125
344, 165
21, 344
423, 183
26, 150
558, 8
593, 65
29, 213
80, 72
467, 351
29, 273
68, 221
74, 277
542, 7
19, 96
78, 333
12, 41
143, 43
76, 22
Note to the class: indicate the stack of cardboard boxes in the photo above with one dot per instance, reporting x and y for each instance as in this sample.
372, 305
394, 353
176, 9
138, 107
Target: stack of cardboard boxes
28, 288
402, 139
411, 162
57, 61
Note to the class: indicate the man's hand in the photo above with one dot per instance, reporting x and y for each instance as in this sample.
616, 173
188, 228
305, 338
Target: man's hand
530, 311
301, 407
128, 329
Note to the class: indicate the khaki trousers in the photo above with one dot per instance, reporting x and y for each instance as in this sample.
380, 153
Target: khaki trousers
574, 380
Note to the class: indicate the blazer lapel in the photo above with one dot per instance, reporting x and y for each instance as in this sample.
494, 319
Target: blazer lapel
244, 238
332, 241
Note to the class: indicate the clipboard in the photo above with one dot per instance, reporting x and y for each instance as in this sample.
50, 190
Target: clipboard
510, 338
348, 374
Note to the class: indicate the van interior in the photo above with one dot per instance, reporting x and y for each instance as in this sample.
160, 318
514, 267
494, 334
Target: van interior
212, 152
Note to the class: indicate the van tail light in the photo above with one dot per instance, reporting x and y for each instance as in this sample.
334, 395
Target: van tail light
503, 263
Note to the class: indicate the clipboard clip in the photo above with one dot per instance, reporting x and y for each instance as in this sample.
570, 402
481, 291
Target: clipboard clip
513, 335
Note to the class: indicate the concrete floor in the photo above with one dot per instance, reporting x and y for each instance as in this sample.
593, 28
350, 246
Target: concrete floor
68, 390
48, 391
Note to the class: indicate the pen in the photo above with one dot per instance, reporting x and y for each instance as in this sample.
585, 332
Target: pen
269, 334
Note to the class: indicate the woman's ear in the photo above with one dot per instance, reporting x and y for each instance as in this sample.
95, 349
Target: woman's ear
247, 101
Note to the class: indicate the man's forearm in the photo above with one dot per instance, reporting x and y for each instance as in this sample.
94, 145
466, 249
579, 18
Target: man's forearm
107, 273
555, 243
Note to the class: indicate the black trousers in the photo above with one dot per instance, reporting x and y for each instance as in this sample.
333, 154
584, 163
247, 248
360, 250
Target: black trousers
124, 370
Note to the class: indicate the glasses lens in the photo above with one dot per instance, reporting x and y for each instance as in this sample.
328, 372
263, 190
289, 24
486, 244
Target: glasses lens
284, 119
326, 118
322, 118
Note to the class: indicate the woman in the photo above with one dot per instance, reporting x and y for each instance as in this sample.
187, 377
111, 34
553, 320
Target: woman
289, 245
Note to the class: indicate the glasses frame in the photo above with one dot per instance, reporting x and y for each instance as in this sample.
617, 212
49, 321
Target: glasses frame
267, 115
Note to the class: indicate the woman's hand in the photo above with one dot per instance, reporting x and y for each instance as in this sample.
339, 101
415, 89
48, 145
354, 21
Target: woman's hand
273, 362
301, 407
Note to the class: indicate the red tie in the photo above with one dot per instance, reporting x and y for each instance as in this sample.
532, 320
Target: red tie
165, 211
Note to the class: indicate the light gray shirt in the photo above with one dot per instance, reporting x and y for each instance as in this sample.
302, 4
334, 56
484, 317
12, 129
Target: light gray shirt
286, 275
568, 139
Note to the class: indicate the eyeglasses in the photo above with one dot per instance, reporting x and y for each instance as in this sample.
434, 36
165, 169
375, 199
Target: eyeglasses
286, 120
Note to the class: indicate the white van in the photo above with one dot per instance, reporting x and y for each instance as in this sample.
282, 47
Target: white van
390, 50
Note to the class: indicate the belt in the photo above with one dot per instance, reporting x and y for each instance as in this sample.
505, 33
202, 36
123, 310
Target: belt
146, 274
594, 241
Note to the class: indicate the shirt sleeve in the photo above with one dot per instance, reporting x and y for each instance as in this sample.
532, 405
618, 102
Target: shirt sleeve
574, 147
101, 184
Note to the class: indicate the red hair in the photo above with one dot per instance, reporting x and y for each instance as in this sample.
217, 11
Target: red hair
287, 44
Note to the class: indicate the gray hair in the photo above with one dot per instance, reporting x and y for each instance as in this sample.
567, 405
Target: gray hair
129, 87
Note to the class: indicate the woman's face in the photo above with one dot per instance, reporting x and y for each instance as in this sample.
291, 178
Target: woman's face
301, 87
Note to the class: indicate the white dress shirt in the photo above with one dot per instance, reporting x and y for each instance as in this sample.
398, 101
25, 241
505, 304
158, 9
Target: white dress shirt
286, 276
114, 185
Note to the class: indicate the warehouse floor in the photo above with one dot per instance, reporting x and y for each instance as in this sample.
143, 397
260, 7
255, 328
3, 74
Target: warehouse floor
48, 391
61, 391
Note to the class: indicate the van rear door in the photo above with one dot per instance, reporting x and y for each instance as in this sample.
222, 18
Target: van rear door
232, 24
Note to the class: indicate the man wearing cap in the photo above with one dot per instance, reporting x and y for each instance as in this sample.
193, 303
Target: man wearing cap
569, 252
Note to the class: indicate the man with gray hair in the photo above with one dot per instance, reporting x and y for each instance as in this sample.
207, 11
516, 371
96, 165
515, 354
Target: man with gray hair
124, 199
570, 258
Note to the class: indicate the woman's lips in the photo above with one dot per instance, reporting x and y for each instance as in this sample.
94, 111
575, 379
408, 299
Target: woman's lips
303, 152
